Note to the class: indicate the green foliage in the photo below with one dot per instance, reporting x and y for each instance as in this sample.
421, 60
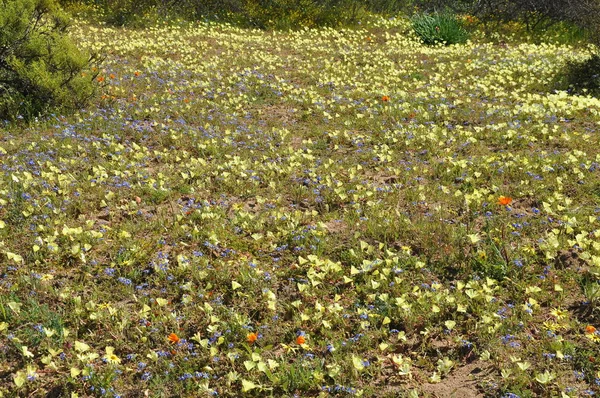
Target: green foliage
271, 14
439, 28
387, 7
582, 77
40, 67
130, 12
287, 14
535, 15
563, 33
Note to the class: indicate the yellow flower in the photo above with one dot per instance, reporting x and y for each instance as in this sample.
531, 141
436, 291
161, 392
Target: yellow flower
110, 356
559, 314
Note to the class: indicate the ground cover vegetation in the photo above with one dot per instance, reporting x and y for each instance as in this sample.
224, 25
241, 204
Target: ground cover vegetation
319, 212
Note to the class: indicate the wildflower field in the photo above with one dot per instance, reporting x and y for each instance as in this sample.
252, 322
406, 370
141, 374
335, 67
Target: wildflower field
327, 212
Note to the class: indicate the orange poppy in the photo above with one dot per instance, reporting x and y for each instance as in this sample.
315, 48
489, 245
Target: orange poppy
300, 340
136, 73
385, 98
504, 200
112, 76
589, 329
100, 79
173, 338
251, 338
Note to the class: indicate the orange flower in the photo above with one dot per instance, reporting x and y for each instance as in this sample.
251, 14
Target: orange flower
300, 340
112, 76
100, 79
173, 338
251, 338
589, 329
469, 19
136, 73
385, 98
504, 200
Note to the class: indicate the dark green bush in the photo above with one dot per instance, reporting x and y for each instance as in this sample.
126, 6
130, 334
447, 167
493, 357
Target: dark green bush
388, 7
439, 28
40, 67
262, 14
536, 15
581, 78
285, 14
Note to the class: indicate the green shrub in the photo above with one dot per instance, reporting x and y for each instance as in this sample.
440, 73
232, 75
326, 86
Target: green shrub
581, 78
290, 14
388, 7
439, 28
262, 14
535, 15
40, 67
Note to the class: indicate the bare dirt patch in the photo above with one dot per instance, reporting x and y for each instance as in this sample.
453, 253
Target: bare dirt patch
277, 114
336, 226
462, 382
